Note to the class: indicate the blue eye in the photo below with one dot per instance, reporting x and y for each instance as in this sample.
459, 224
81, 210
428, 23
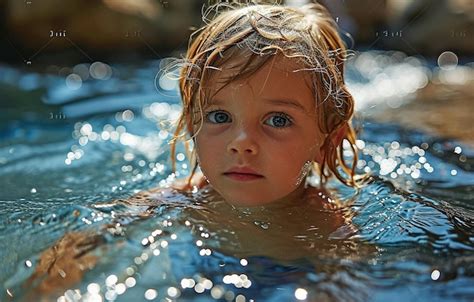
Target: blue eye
218, 117
279, 120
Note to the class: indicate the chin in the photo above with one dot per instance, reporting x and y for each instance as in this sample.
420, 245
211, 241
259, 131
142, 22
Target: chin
237, 197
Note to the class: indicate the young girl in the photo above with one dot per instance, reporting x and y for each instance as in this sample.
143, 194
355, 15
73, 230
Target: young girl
265, 104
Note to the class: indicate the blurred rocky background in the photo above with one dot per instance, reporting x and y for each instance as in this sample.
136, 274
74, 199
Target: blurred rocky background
49, 31
421, 27
55, 31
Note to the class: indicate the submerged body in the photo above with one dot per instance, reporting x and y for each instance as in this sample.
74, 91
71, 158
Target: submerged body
268, 231
310, 242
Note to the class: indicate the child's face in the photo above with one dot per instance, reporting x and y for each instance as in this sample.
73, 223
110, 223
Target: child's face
265, 125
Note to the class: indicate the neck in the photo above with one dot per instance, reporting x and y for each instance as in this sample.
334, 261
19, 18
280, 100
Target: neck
295, 198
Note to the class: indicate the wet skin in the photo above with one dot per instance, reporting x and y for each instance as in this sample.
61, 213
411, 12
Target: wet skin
263, 126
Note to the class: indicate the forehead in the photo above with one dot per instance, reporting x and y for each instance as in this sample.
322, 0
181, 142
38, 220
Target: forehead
275, 77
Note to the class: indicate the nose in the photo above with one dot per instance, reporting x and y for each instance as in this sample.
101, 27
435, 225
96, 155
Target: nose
243, 142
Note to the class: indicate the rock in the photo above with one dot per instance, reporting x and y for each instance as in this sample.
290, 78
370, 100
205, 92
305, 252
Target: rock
100, 27
430, 27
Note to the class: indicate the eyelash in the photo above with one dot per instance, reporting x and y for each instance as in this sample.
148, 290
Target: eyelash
273, 114
213, 111
284, 115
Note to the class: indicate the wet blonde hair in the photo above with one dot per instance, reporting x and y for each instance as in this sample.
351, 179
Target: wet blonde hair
306, 34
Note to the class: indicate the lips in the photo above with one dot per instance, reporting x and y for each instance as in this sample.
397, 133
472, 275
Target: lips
242, 174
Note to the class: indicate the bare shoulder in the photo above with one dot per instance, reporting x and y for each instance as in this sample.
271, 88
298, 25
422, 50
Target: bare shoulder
158, 195
321, 198
183, 184
64, 263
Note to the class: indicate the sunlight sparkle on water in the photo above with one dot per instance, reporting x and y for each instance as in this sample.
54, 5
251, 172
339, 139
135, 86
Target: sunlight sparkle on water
188, 283
130, 282
73, 295
156, 232
180, 157
111, 280
240, 298
238, 281
151, 294
100, 71
86, 129
110, 295
173, 292
163, 134
217, 292
105, 135
160, 110
447, 60
229, 295
93, 288
205, 252
435, 274
207, 284
120, 288
199, 288
168, 81
301, 294
385, 72
130, 271
395, 160
128, 115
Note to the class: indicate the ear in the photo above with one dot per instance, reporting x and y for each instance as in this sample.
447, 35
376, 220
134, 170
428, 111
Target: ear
335, 140
339, 135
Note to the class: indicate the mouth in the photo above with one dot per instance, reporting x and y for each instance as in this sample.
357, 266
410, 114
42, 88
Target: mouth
243, 176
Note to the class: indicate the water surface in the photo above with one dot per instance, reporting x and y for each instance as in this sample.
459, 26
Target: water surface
407, 235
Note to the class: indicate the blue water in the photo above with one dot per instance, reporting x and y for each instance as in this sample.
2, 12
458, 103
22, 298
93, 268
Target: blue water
408, 235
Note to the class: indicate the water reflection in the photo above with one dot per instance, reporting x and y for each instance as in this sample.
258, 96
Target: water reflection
407, 234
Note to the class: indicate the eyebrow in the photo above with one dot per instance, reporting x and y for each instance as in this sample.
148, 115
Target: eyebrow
280, 102
288, 103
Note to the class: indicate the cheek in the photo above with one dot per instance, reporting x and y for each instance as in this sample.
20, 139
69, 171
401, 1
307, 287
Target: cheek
201, 148
208, 151
286, 162
295, 150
